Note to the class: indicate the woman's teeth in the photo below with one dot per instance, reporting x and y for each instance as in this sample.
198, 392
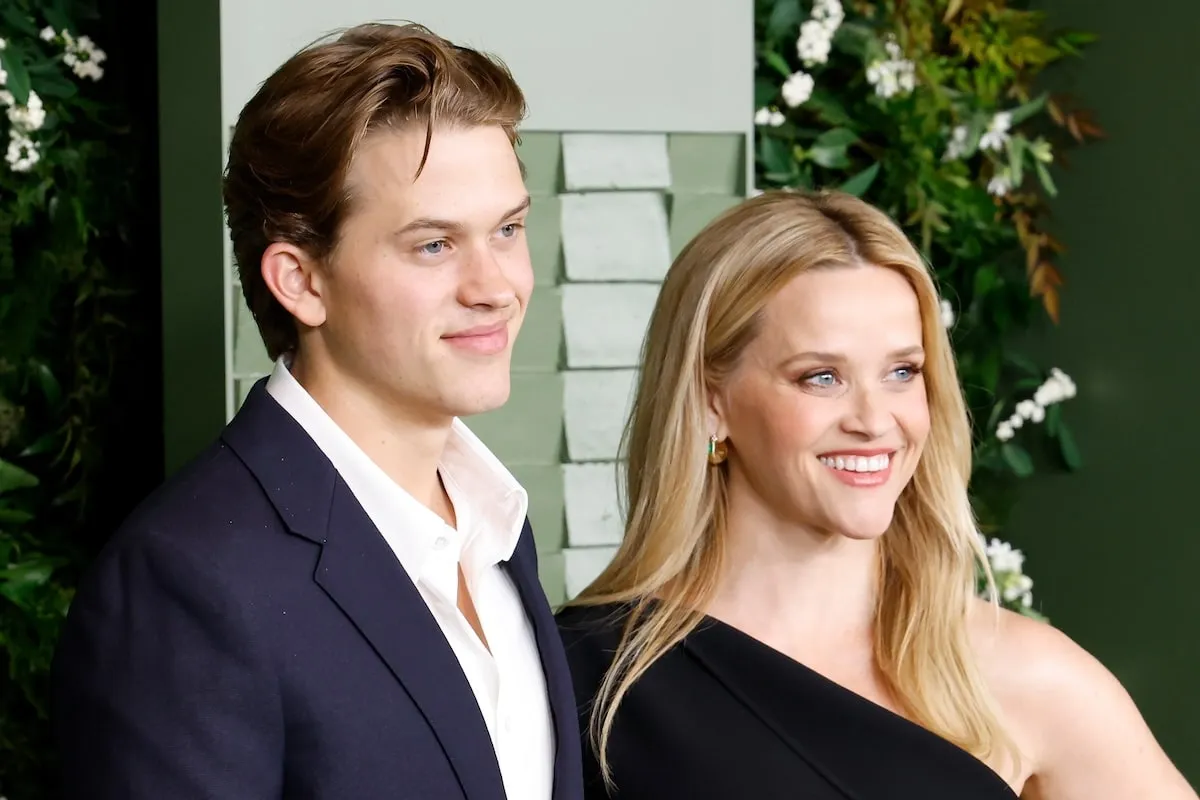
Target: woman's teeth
857, 463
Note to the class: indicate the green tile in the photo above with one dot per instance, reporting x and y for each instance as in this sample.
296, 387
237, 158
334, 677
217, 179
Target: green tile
553, 574
539, 344
544, 484
707, 163
249, 354
541, 153
528, 429
543, 227
691, 212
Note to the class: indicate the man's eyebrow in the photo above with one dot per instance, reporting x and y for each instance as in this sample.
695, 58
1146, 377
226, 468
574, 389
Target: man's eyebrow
433, 223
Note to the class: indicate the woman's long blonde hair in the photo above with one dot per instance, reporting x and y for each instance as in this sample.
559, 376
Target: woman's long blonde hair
666, 569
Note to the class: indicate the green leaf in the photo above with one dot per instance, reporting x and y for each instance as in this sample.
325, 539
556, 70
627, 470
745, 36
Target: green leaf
1068, 448
774, 155
18, 76
777, 62
859, 184
1018, 459
49, 385
54, 85
838, 137
765, 91
1016, 160
854, 39
830, 157
1023, 363
986, 279
18, 20
1053, 419
13, 477
989, 370
785, 18
1027, 110
58, 20
1044, 177
13, 516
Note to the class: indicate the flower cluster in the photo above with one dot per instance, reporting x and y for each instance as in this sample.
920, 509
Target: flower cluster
1007, 564
892, 75
1057, 388
769, 115
816, 34
81, 55
947, 314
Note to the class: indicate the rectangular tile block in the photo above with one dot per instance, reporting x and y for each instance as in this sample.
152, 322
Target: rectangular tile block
615, 161
592, 506
582, 565
528, 429
552, 574
539, 344
615, 236
595, 406
691, 212
605, 323
544, 485
249, 353
541, 153
707, 163
543, 232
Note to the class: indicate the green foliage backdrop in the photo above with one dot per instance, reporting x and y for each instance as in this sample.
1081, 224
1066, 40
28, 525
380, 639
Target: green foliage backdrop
931, 110
66, 194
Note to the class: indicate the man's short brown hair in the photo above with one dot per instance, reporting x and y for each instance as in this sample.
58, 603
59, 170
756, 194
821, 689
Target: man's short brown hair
295, 140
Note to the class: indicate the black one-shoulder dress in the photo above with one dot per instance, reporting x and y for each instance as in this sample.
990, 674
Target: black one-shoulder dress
725, 716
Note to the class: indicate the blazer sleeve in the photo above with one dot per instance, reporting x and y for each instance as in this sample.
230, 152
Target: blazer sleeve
161, 689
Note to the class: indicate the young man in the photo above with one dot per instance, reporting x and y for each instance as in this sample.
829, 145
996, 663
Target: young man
339, 599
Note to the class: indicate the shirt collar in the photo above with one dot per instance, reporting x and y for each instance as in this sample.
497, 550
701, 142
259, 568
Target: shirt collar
490, 505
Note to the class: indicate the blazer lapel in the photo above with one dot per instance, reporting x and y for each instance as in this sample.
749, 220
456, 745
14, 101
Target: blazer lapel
361, 575
568, 758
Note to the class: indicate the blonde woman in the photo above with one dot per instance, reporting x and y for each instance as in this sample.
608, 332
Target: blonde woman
791, 613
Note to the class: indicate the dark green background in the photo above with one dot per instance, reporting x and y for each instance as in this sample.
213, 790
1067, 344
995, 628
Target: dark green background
1114, 549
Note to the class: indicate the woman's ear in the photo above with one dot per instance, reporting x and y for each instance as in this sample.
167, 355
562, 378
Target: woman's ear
293, 279
716, 414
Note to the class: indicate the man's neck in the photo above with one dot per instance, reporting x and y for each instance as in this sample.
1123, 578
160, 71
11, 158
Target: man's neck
405, 445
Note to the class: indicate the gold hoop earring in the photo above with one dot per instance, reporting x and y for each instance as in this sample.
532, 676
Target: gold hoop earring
717, 450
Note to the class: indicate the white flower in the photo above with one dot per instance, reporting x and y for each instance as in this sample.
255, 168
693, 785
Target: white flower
3, 80
798, 88
958, 143
893, 75
769, 116
830, 13
6, 98
1055, 389
22, 152
996, 135
1003, 557
1000, 184
947, 314
1004, 431
47, 34
29, 117
3, 44
815, 42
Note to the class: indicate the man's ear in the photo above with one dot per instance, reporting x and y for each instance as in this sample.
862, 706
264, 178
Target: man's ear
295, 281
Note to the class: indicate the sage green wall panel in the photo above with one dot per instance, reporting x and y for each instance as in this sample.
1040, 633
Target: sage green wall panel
691, 212
539, 345
553, 573
543, 231
528, 428
544, 483
249, 352
707, 163
541, 153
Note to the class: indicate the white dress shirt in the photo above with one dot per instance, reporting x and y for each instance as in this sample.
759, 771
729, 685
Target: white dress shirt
489, 507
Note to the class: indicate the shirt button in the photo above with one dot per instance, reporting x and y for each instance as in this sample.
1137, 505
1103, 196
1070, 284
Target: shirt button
440, 543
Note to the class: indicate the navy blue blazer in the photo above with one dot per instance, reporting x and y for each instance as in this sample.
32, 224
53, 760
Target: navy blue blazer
248, 634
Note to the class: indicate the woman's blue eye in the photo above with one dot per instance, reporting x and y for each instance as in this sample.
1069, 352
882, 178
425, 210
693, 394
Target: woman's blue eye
821, 379
509, 230
905, 374
434, 248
